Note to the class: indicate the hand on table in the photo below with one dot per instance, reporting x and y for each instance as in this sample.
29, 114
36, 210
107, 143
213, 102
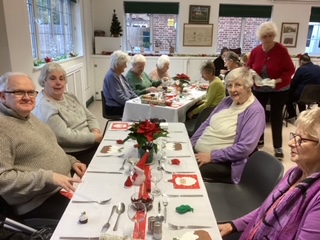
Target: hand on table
203, 158
64, 181
98, 136
225, 229
152, 89
79, 168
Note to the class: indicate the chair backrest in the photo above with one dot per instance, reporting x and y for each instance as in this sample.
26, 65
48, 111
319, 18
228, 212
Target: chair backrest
310, 94
202, 117
104, 112
262, 173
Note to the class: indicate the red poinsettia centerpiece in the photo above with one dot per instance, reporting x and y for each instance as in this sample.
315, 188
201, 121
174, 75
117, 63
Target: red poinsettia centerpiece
182, 80
145, 132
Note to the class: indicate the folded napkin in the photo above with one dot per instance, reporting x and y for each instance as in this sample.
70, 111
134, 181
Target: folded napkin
263, 82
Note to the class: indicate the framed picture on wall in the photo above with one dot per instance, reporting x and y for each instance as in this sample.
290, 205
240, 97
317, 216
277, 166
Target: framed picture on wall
199, 14
197, 35
289, 34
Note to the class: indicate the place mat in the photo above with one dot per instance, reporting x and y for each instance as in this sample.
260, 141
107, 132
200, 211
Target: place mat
175, 146
185, 181
119, 126
199, 235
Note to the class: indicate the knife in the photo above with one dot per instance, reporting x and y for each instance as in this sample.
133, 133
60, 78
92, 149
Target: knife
183, 195
91, 171
178, 156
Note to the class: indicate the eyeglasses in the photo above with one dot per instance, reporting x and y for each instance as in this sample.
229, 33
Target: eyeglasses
267, 36
299, 140
21, 94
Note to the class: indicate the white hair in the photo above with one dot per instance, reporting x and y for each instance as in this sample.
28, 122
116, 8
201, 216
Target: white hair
162, 60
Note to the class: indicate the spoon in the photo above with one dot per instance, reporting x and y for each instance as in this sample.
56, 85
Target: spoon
120, 209
159, 217
165, 204
106, 226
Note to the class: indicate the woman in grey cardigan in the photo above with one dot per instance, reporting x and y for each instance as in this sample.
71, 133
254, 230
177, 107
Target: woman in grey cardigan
76, 128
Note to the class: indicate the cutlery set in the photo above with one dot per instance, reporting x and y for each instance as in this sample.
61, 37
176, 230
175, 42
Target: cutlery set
119, 210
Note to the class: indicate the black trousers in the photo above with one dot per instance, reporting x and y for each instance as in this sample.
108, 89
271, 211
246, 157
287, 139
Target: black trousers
277, 101
216, 172
52, 208
85, 156
291, 107
117, 111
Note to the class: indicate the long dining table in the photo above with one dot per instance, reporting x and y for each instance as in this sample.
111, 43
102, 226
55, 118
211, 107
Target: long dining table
135, 110
104, 179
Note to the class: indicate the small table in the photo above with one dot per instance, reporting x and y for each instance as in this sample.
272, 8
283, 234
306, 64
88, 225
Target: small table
134, 110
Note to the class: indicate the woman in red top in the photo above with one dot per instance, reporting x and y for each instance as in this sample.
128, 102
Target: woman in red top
272, 62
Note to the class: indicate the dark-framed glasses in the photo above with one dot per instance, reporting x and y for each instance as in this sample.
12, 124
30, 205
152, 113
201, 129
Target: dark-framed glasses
298, 139
21, 94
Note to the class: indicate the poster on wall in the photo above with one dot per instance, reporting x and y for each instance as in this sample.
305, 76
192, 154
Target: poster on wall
197, 35
289, 34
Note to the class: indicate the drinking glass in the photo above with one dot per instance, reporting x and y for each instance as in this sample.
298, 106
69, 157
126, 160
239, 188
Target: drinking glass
156, 176
137, 213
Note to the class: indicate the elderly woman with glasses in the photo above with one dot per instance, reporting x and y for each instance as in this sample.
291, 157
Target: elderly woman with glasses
271, 61
76, 128
292, 209
138, 79
231, 133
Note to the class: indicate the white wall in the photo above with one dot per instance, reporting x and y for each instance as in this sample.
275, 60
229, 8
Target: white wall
292, 11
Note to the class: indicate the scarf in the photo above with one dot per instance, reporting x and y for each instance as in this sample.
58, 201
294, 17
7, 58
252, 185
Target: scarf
284, 219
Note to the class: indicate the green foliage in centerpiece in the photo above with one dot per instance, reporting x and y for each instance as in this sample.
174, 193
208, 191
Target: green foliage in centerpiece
145, 132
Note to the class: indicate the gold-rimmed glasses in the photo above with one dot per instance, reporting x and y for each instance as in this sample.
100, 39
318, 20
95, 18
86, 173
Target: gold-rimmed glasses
298, 139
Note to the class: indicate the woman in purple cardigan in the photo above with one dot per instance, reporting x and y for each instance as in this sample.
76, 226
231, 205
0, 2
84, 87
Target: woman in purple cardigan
231, 133
292, 210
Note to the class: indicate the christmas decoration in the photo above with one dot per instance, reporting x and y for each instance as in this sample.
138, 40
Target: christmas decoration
115, 28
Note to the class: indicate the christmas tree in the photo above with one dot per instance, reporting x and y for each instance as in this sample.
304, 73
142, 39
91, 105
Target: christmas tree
115, 28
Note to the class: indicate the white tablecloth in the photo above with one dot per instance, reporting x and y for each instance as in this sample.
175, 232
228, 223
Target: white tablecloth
98, 186
134, 110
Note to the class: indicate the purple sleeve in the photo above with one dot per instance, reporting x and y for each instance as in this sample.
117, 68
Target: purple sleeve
242, 223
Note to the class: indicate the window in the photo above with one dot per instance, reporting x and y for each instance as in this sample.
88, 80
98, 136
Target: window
238, 25
50, 28
150, 25
150, 31
313, 37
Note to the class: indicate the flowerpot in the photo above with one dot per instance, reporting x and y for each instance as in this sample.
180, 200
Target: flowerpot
141, 49
171, 50
150, 159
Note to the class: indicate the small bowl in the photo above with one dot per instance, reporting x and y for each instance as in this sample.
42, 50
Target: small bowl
147, 202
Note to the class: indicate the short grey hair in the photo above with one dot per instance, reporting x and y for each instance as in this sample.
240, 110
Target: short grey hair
208, 67
309, 122
233, 56
265, 28
138, 58
49, 68
118, 58
163, 60
4, 79
240, 73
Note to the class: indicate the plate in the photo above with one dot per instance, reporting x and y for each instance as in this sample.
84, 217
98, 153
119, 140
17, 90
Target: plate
120, 126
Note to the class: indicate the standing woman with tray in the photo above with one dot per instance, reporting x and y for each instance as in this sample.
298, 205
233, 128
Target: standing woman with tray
272, 62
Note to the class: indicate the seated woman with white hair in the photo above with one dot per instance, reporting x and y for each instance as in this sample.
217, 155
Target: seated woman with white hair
138, 79
116, 89
161, 70
231, 133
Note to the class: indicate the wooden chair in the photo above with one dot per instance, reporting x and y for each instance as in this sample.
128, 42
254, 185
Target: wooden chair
261, 174
107, 116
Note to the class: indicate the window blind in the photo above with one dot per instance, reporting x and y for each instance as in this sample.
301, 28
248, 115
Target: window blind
152, 7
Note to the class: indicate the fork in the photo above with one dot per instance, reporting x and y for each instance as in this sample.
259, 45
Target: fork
175, 227
123, 163
91, 201
166, 171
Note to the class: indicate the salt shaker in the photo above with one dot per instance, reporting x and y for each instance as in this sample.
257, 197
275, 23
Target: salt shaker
157, 231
